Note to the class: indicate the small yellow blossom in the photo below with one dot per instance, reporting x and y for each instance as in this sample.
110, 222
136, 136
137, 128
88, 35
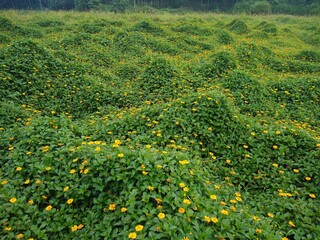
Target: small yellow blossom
184, 162
291, 224
270, 215
86, 171
207, 219
187, 201
27, 181
70, 201
308, 178
214, 197
182, 185
161, 215
295, 170
312, 195
258, 230
132, 235
48, 208
275, 147
20, 235
80, 226
255, 218
185, 189
123, 209
12, 200
181, 210
72, 171
38, 182
150, 188
228, 161
18, 168
120, 155
74, 228
278, 132
8, 229
284, 238
4, 182
214, 219
45, 149
112, 207
66, 188
48, 168
225, 212
144, 172
138, 228
30, 202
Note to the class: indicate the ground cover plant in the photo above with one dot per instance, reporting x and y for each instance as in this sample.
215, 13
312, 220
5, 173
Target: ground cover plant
162, 126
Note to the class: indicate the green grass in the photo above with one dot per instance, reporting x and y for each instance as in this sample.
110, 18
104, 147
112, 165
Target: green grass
195, 126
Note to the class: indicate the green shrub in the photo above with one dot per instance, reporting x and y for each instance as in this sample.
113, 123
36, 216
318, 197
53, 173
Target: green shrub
309, 56
224, 37
238, 26
261, 7
267, 27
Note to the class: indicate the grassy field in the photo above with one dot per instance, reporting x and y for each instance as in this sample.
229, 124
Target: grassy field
136, 126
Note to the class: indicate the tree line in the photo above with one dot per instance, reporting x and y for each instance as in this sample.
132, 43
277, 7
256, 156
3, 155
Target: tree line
299, 7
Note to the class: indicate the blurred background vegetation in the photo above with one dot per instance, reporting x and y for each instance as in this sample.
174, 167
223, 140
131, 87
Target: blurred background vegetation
294, 7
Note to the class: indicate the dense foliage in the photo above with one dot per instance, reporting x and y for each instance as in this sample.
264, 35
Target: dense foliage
159, 126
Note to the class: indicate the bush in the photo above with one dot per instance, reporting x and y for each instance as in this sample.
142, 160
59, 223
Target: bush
238, 26
263, 7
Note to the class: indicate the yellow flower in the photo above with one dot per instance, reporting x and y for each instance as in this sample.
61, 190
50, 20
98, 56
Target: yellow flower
291, 224
132, 235
295, 170
74, 228
245, 146
214, 219
48, 168
150, 188
255, 218
161, 215
148, 146
225, 212
308, 178
233, 208
207, 219
8, 229
185, 238
123, 209
223, 203
278, 132
38, 182
144, 172
12, 200
239, 199
66, 189
30, 202
237, 194
182, 185
139, 228
112, 207
86, 171
72, 171
48, 208
120, 155
270, 215
18, 168
228, 161
275, 165
70, 201
20, 235
233, 201
187, 201
4, 182
80, 226
45, 149
27, 181
184, 162
185, 189
258, 230
312, 195
284, 238
275, 147
214, 197
181, 210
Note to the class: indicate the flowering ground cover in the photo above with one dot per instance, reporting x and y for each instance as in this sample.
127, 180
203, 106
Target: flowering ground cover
137, 126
